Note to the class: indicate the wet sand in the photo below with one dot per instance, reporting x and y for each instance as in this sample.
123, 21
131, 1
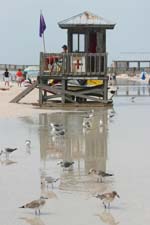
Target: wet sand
118, 144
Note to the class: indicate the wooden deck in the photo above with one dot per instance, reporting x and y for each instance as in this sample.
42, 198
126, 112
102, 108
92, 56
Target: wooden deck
73, 66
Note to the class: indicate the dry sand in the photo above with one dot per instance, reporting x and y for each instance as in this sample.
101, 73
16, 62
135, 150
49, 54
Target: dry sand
25, 108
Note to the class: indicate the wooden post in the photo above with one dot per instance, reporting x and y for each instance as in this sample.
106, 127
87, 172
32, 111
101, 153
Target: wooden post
105, 91
64, 88
138, 66
40, 78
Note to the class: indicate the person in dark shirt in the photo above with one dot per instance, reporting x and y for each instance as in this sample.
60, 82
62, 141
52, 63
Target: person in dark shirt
6, 76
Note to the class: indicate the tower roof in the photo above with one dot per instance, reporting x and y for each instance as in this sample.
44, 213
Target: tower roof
86, 19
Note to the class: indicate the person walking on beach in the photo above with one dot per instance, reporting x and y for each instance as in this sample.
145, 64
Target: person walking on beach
6, 76
143, 75
19, 77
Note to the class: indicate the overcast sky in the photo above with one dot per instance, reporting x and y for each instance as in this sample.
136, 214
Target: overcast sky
19, 23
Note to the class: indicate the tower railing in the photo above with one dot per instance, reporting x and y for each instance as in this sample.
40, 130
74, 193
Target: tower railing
73, 64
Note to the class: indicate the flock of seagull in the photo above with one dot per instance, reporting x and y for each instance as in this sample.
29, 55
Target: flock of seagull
58, 129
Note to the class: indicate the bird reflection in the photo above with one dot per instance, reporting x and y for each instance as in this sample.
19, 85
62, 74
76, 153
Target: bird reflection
107, 218
33, 220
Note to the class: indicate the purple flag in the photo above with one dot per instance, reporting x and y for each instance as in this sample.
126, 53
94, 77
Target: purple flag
42, 25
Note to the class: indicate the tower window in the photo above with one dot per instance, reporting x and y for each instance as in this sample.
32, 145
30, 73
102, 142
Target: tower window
78, 42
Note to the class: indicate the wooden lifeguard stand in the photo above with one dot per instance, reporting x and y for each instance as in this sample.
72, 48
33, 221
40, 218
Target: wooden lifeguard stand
86, 60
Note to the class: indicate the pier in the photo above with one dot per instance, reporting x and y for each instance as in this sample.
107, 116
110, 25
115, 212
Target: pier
14, 67
131, 67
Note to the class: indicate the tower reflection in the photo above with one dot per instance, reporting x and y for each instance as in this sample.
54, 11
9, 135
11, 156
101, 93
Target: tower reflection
86, 146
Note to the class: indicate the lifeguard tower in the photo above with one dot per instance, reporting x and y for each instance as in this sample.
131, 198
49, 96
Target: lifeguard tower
79, 75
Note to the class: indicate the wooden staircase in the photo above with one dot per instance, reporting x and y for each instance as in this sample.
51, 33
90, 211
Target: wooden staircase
24, 92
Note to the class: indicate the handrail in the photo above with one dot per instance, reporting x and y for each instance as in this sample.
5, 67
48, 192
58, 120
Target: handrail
73, 64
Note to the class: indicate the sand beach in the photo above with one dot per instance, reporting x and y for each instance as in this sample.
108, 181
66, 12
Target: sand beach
25, 108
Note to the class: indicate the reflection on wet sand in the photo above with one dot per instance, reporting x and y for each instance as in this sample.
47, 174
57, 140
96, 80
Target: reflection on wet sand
86, 147
46, 192
33, 220
107, 218
7, 162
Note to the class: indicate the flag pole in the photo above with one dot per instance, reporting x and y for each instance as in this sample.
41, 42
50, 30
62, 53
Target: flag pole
44, 44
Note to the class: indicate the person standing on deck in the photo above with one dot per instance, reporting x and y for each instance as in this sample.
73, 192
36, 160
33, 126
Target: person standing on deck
6, 76
65, 48
19, 77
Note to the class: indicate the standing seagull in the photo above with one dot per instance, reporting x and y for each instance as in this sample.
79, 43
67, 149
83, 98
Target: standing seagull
28, 145
7, 151
90, 113
132, 98
107, 198
36, 204
50, 180
99, 174
66, 164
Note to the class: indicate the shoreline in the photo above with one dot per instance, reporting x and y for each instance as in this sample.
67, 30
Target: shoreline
28, 106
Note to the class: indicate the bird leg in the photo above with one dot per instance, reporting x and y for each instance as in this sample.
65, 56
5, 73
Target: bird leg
104, 205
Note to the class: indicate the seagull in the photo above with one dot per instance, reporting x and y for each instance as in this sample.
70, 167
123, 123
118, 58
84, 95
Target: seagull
110, 116
10, 150
87, 124
7, 151
60, 132
50, 180
56, 126
66, 164
28, 145
132, 98
57, 129
36, 204
90, 114
99, 174
107, 198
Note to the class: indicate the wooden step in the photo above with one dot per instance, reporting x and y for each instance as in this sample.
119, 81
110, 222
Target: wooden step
24, 92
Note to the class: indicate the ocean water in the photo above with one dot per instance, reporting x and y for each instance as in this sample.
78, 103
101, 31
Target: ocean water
117, 141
